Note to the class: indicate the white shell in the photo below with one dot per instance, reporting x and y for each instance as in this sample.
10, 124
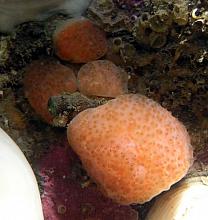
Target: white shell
19, 193
188, 201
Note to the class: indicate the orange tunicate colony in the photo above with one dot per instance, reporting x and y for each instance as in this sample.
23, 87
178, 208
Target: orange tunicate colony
102, 78
80, 41
132, 147
43, 79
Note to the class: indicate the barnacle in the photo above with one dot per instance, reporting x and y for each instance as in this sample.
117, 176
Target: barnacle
198, 14
117, 44
161, 21
144, 19
150, 32
200, 19
157, 40
128, 53
141, 30
180, 14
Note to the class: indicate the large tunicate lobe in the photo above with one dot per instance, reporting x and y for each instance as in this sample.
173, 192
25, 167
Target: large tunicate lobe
132, 147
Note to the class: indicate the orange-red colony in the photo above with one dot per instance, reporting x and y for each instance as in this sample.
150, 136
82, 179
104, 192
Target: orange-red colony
132, 147
102, 78
46, 78
80, 41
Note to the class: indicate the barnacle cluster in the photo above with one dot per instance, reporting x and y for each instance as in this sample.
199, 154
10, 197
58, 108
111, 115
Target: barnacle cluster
150, 22
200, 19
152, 29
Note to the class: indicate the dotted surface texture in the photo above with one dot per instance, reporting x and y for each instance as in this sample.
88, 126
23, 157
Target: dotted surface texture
102, 78
80, 41
44, 79
132, 147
